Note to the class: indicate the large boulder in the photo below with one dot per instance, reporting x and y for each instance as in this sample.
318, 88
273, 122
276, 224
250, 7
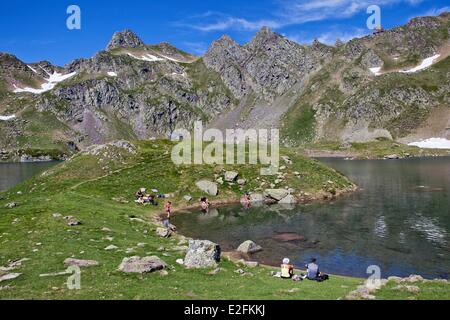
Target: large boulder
276, 194
230, 176
249, 247
256, 197
208, 187
202, 254
289, 199
163, 232
142, 265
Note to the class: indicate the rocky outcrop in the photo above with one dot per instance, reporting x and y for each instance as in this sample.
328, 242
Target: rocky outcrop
208, 187
124, 39
202, 254
137, 91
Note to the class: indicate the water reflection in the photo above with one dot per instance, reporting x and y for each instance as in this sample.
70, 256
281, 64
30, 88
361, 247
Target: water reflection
12, 174
391, 222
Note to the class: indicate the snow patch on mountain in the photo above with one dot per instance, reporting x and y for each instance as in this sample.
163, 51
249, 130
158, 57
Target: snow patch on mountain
432, 143
425, 64
376, 71
32, 69
50, 83
147, 57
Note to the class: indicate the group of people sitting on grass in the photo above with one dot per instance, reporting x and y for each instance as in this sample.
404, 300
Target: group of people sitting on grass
312, 272
144, 198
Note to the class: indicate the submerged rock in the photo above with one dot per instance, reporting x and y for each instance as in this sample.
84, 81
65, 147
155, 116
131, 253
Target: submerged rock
249, 247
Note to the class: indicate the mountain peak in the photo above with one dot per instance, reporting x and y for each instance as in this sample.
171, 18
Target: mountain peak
124, 39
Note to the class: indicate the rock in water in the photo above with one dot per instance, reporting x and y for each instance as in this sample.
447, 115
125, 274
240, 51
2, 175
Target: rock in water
80, 263
249, 247
230, 176
202, 254
288, 236
142, 265
276, 194
256, 197
208, 187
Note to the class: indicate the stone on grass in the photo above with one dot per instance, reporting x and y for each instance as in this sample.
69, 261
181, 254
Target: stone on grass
230, 176
180, 261
276, 194
142, 265
410, 289
73, 222
202, 254
241, 182
163, 232
250, 264
187, 198
13, 264
11, 205
413, 278
111, 247
9, 276
207, 186
249, 247
286, 159
80, 263
214, 272
395, 279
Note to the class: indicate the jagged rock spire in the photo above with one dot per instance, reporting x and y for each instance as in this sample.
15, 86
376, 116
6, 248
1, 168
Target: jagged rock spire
125, 39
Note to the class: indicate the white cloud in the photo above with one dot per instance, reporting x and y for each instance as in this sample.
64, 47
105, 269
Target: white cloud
294, 12
329, 37
437, 11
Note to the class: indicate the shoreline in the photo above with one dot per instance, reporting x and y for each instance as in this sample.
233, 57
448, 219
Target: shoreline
350, 156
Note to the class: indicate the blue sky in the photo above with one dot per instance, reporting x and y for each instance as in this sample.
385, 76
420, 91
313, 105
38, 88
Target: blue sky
36, 30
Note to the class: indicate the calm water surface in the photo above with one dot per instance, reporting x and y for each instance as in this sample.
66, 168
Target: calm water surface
12, 174
399, 220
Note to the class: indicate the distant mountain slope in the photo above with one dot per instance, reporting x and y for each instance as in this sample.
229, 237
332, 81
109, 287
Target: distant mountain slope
391, 85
